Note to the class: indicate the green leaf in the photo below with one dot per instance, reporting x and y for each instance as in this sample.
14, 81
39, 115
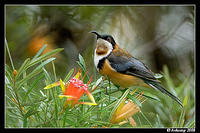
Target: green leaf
25, 122
110, 105
134, 100
119, 102
21, 82
28, 114
27, 63
45, 56
65, 115
97, 83
9, 55
181, 118
183, 85
47, 76
44, 63
62, 86
55, 84
185, 101
146, 119
39, 52
82, 61
33, 86
54, 71
190, 124
167, 77
81, 66
31, 112
159, 121
36, 71
83, 72
169, 80
9, 75
68, 75
22, 68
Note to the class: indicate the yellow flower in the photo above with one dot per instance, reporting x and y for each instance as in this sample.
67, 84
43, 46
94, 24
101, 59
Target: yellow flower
126, 111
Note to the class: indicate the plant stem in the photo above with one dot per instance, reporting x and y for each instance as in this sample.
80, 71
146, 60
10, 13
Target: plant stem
9, 55
17, 97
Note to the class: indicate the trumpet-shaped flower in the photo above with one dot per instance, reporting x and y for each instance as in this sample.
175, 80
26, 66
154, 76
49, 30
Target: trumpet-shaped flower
73, 90
126, 111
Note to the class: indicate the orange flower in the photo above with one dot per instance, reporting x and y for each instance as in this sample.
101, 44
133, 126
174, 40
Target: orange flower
126, 111
38, 42
73, 90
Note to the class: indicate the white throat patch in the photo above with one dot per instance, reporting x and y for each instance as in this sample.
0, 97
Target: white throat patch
97, 57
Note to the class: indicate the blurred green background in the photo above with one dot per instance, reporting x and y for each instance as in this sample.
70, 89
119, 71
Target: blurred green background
157, 35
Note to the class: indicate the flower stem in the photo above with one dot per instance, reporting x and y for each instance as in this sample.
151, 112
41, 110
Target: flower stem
9, 55
16, 94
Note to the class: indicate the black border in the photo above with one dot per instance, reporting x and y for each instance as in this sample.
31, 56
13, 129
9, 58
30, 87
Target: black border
112, 2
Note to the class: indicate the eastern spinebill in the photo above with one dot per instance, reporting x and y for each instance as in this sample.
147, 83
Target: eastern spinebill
122, 68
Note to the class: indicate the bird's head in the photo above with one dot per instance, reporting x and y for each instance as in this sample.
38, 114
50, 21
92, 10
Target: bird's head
105, 43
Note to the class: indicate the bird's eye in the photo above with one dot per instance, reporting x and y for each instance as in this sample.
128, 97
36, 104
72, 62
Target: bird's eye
108, 39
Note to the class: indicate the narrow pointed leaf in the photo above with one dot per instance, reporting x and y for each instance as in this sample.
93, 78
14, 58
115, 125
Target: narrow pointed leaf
45, 56
62, 86
34, 84
52, 85
39, 52
87, 103
66, 96
69, 75
97, 83
185, 101
34, 72
44, 63
119, 102
90, 96
81, 60
135, 100
22, 68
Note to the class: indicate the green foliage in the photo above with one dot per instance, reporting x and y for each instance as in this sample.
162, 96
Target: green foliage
22, 88
29, 105
119, 102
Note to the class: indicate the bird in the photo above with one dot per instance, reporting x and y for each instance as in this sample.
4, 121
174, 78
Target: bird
122, 69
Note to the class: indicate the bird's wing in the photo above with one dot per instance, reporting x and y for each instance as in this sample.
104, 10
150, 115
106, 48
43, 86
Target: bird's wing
130, 65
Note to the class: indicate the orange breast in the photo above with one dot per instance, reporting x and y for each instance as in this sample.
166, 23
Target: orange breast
122, 80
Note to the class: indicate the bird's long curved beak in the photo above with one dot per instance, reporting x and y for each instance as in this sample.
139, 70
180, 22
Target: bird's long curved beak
94, 32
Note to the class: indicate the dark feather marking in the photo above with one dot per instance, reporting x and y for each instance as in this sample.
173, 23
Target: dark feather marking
101, 62
156, 85
131, 66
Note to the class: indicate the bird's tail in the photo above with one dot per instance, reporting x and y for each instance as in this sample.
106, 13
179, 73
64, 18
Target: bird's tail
157, 86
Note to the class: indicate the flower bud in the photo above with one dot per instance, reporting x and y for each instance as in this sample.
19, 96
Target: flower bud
15, 73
